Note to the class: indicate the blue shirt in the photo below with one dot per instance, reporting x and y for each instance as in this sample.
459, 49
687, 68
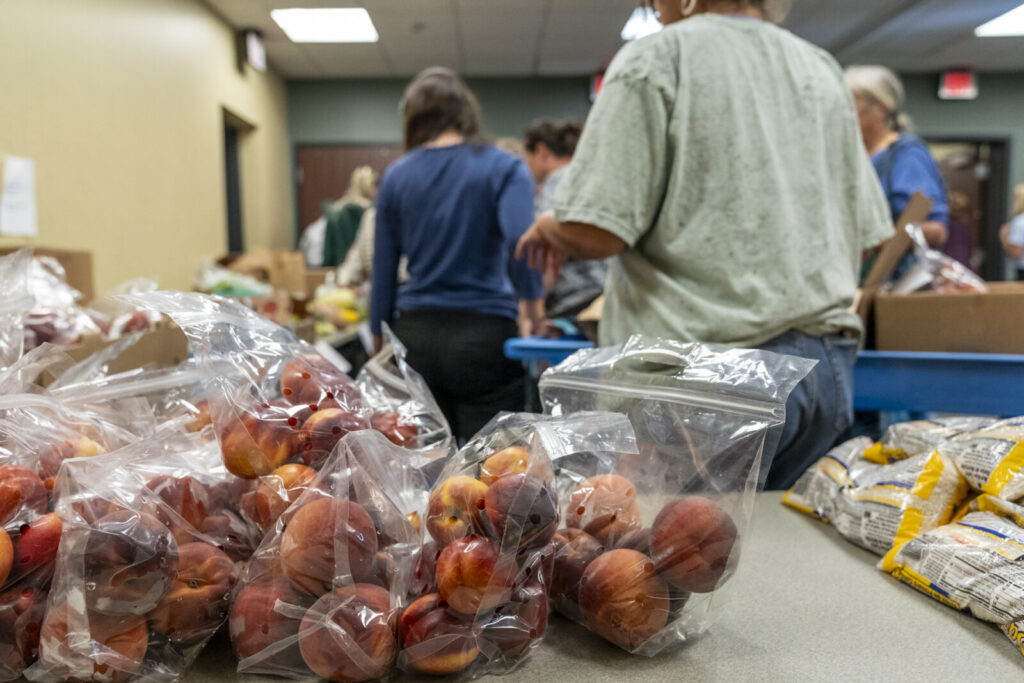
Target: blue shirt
907, 167
456, 213
1016, 235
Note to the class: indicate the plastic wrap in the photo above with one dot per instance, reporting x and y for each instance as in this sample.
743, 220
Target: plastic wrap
285, 402
707, 423
935, 271
481, 588
324, 590
991, 458
140, 586
120, 318
15, 302
57, 316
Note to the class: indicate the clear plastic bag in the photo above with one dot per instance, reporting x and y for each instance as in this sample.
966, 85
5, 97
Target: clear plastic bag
15, 302
139, 586
480, 591
120, 318
57, 316
285, 402
670, 520
935, 271
324, 590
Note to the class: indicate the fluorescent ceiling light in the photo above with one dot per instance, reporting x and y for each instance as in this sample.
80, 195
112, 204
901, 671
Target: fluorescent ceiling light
336, 25
641, 23
1010, 24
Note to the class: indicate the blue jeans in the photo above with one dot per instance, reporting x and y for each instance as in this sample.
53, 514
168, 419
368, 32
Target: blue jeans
819, 410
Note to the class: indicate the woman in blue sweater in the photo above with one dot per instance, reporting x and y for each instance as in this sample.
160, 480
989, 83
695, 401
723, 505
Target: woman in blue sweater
455, 208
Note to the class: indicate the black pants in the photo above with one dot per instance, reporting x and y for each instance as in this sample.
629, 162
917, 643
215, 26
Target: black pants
462, 358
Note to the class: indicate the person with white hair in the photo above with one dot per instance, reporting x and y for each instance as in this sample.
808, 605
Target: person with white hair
902, 160
722, 167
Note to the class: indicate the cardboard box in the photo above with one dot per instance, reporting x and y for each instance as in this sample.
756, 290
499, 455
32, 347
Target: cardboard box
971, 322
284, 270
314, 278
77, 265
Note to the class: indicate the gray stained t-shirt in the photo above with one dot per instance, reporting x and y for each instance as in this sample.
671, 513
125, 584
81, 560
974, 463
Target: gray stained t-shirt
726, 153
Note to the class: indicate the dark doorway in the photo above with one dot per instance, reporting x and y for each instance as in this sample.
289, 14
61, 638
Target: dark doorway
323, 173
976, 172
236, 241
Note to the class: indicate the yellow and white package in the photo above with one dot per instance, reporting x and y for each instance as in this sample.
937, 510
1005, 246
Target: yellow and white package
817, 489
907, 439
971, 565
991, 459
887, 505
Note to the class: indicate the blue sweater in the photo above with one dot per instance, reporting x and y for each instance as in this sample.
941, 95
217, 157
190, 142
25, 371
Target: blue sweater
908, 167
456, 213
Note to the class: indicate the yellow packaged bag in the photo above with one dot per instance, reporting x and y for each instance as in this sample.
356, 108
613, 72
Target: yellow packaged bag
992, 459
817, 489
907, 439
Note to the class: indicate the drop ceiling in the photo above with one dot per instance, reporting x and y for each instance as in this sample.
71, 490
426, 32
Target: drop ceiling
579, 37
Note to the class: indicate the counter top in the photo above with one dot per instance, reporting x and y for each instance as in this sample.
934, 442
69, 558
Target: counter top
806, 605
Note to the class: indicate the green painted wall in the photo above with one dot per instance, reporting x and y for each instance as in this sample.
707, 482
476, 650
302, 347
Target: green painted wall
367, 110
998, 112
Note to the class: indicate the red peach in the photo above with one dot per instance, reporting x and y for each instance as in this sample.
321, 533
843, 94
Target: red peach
22, 494
514, 460
200, 595
574, 551
691, 542
112, 651
6, 555
315, 534
188, 501
349, 634
472, 576
519, 623
127, 560
604, 506
638, 540
435, 639
312, 379
36, 550
50, 458
259, 440
231, 535
523, 506
622, 599
264, 625
323, 430
397, 431
423, 579
21, 617
275, 493
456, 509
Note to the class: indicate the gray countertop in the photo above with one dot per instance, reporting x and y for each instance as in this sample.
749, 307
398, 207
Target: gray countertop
805, 606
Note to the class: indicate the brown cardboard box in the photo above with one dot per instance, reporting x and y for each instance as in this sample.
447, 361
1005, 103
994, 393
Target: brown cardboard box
77, 265
971, 322
284, 270
314, 278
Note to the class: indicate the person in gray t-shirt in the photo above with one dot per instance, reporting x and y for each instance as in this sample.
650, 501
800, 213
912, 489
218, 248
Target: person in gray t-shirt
722, 168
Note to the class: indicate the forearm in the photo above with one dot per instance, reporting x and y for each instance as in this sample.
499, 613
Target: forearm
935, 233
580, 240
1014, 251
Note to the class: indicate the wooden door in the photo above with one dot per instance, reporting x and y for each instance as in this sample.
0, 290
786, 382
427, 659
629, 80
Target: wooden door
323, 172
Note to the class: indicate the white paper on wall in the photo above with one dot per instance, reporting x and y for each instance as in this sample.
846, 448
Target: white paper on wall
18, 197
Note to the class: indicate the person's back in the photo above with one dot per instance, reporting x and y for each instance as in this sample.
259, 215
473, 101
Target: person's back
760, 193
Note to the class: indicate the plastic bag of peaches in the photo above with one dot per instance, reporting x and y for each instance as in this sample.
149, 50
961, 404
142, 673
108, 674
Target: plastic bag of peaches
324, 591
654, 538
15, 302
481, 587
139, 586
285, 403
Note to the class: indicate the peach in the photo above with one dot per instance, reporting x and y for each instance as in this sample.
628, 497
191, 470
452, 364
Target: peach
22, 494
604, 506
200, 595
259, 440
574, 551
200, 416
523, 507
396, 429
315, 534
623, 599
267, 614
113, 649
349, 634
638, 540
513, 460
6, 556
231, 535
423, 579
456, 509
21, 618
519, 623
435, 639
128, 560
186, 498
691, 542
472, 576
312, 379
323, 430
36, 549
50, 458
275, 493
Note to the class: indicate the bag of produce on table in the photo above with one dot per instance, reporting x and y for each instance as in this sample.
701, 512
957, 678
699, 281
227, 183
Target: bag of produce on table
991, 458
905, 439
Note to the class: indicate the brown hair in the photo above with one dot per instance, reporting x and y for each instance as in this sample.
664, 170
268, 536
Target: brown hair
560, 138
773, 10
437, 101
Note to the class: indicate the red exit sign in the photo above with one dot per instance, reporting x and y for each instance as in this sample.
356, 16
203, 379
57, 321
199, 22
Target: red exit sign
958, 85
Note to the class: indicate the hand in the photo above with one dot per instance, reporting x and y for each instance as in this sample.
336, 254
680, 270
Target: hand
378, 344
531, 317
540, 252
1004, 234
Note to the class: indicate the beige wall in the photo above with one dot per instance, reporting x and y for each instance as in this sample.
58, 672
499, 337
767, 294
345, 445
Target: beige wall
120, 102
